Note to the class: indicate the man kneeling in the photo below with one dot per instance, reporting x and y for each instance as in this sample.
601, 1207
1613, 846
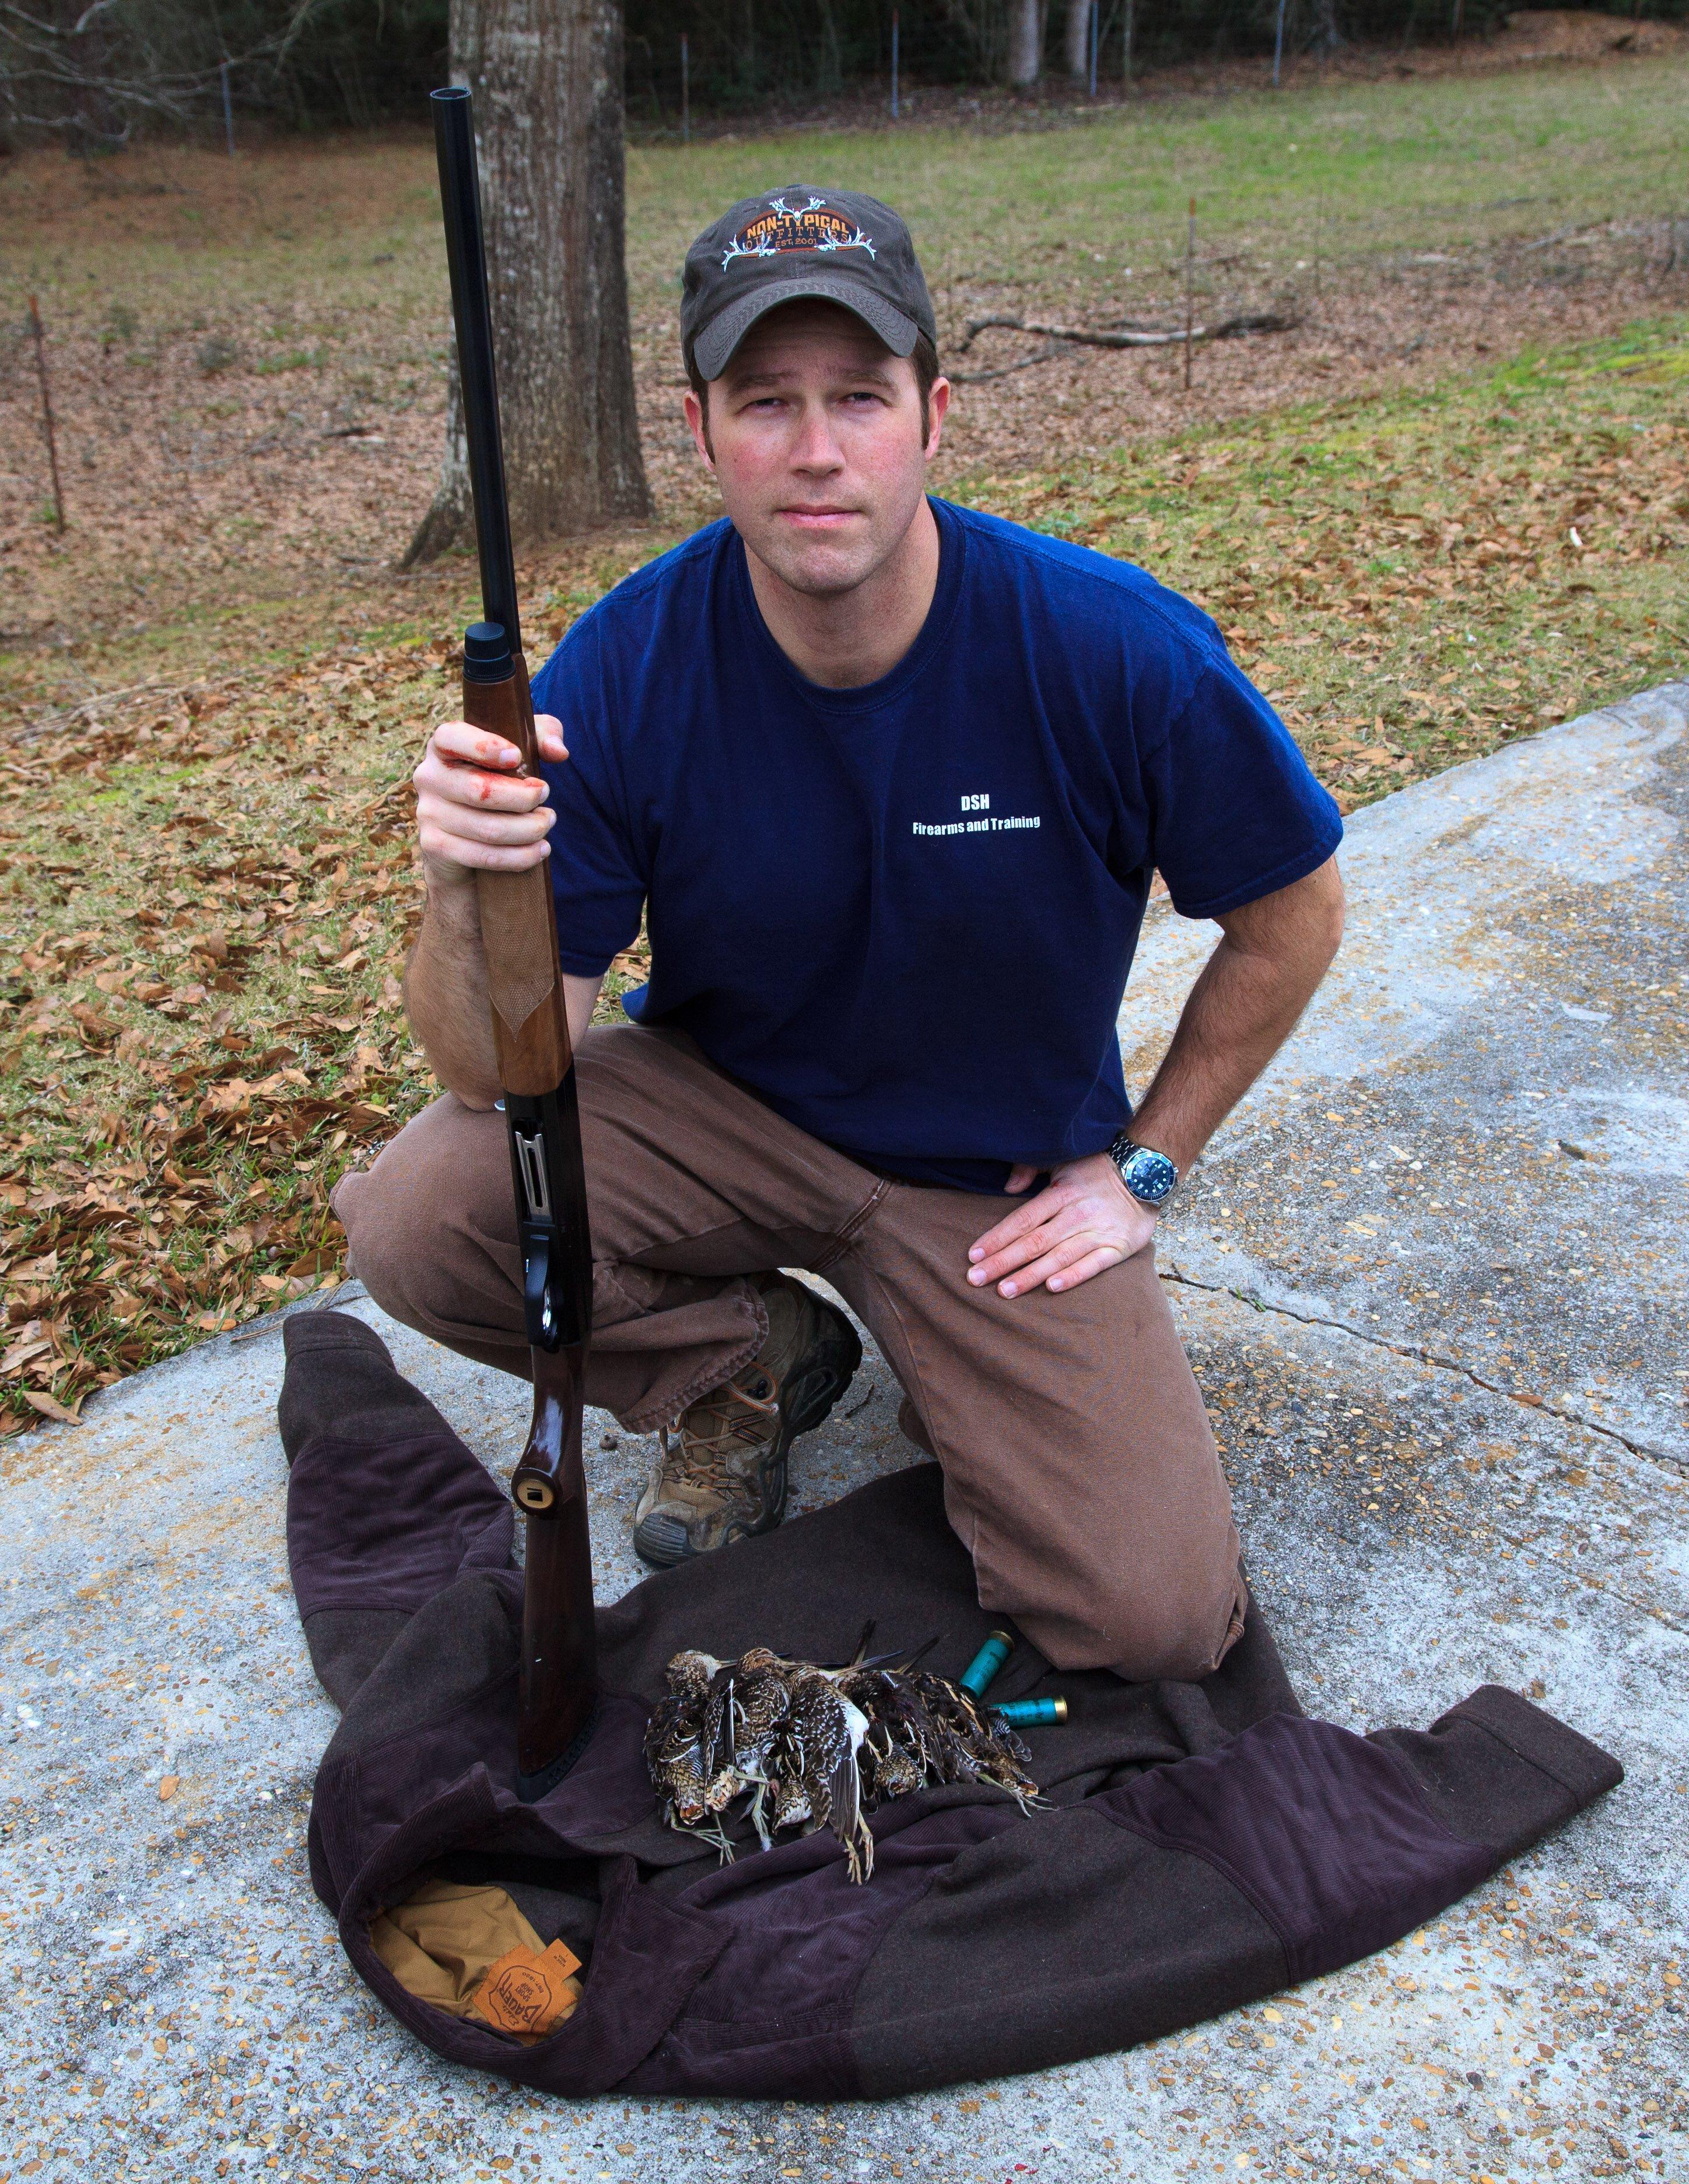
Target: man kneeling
888, 780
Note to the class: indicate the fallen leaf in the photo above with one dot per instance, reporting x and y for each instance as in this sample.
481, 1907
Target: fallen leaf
168, 1787
97, 1030
230, 1102
51, 1407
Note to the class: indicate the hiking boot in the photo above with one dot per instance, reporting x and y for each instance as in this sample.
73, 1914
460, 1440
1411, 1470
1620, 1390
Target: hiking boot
722, 1473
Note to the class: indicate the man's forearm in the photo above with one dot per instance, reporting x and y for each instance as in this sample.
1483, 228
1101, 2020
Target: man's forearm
1271, 958
1236, 1017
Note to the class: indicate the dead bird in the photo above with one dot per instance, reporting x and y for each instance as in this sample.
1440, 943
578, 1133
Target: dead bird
759, 1717
821, 1744
701, 1742
808, 1746
674, 1761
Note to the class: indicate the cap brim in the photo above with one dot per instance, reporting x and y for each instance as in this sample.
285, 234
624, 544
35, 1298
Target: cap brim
712, 348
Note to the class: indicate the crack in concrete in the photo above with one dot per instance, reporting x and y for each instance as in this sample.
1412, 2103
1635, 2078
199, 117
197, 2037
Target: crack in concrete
1421, 1355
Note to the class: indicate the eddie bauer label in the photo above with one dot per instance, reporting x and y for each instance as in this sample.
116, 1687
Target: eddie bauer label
528, 1994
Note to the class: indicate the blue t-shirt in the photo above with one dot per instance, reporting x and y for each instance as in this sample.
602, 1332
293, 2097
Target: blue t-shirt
902, 915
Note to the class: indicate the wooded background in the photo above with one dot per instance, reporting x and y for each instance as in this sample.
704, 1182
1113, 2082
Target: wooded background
94, 74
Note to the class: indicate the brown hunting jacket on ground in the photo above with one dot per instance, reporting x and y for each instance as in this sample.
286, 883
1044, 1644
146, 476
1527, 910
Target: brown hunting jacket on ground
1205, 1844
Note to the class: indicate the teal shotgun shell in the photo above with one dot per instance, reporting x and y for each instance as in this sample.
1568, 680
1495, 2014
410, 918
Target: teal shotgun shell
1033, 1714
987, 1661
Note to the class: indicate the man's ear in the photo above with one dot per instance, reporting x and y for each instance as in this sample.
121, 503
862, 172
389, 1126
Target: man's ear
698, 422
937, 404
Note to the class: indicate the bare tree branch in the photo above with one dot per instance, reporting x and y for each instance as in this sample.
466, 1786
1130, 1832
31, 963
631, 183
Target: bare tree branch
96, 75
1060, 339
1241, 322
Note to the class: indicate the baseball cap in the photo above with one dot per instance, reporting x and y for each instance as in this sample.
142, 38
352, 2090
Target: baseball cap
836, 244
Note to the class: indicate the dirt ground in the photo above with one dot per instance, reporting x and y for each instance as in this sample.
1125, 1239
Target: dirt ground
256, 421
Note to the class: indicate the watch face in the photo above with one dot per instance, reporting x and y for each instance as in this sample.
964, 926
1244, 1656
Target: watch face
1149, 1176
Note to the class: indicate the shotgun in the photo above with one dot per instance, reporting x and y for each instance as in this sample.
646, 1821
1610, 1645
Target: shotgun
536, 1062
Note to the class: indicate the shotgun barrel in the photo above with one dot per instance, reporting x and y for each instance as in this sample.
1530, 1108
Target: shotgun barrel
535, 1062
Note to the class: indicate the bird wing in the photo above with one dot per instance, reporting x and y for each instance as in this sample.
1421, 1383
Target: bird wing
716, 1735
845, 1814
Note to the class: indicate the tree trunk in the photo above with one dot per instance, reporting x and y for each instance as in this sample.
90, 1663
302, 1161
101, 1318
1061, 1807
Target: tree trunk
547, 76
1025, 42
1078, 28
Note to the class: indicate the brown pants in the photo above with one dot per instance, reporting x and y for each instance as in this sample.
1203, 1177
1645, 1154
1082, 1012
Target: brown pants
1080, 1471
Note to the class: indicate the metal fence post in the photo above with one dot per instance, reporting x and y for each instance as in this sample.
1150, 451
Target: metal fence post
46, 415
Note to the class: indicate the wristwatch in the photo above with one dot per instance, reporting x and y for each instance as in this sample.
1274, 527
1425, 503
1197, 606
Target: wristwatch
1149, 1176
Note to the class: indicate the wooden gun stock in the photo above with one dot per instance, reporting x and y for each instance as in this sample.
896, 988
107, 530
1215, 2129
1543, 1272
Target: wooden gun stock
536, 1072
536, 1063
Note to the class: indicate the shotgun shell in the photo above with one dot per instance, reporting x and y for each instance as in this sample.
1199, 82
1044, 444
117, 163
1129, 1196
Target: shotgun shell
987, 1661
1033, 1714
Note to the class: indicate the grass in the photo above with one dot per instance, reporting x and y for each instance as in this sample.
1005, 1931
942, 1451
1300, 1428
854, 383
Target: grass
207, 896
344, 240
1415, 580
208, 319
1377, 168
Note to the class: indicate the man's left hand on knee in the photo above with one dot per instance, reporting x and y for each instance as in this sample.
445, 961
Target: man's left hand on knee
1082, 1223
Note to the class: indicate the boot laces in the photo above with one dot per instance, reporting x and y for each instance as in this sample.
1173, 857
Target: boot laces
742, 1414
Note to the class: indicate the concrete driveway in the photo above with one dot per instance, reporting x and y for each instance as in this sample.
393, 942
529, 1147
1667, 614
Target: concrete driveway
1433, 1278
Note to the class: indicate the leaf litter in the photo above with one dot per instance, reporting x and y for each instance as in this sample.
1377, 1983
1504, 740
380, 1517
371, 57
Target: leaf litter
207, 890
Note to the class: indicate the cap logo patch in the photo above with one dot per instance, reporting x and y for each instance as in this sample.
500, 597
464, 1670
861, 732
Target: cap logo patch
784, 227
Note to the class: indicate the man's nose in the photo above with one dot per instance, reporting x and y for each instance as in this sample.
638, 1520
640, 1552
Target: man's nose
815, 447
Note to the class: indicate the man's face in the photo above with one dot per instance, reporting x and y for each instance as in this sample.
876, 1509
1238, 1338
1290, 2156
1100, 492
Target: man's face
815, 440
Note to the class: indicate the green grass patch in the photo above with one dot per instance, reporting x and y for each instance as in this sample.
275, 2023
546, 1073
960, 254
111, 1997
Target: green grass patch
1443, 165
294, 360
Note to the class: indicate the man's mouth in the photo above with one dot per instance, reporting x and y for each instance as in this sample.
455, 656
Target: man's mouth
819, 519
